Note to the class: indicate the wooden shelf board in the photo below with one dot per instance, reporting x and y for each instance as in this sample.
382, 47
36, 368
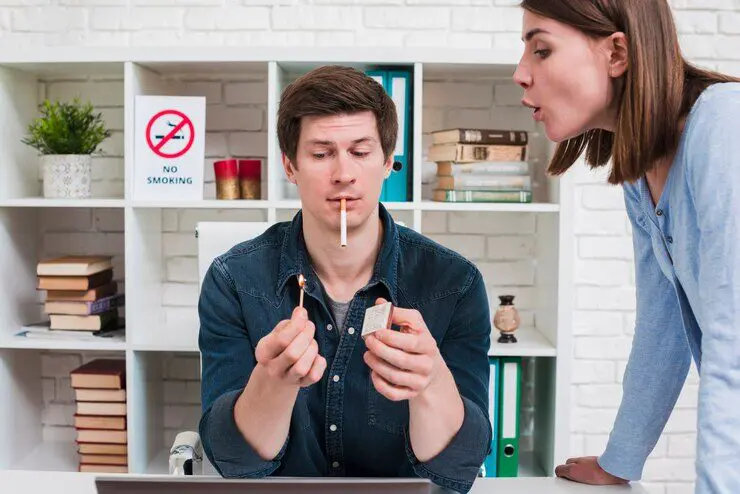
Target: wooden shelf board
528, 466
530, 343
110, 59
533, 207
204, 204
41, 202
61, 344
58, 456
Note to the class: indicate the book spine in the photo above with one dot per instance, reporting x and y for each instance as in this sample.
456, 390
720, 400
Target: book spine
490, 168
485, 136
486, 182
480, 136
515, 196
105, 304
469, 152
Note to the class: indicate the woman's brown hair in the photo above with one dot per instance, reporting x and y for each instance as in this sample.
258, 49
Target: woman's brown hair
657, 90
334, 90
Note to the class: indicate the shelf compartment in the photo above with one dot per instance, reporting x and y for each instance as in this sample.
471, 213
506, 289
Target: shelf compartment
38, 408
283, 74
33, 234
165, 393
23, 87
517, 254
162, 313
482, 97
236, 111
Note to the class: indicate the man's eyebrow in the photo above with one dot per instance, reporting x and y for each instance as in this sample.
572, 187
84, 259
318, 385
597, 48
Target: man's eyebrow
363, 139
324, 142
532, 32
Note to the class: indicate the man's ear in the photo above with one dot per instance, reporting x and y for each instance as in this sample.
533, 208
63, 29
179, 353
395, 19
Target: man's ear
388, 166
618, 54
288, 167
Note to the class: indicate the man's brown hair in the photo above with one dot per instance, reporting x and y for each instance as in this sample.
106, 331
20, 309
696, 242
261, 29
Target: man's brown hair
658, 89
334, 90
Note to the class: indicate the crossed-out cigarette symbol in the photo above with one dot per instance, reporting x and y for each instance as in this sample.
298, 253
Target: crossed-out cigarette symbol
179, 134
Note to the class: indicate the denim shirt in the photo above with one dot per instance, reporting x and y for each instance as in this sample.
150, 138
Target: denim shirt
341, 425
687, 261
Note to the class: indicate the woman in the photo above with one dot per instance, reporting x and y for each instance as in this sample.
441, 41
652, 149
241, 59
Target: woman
607, 77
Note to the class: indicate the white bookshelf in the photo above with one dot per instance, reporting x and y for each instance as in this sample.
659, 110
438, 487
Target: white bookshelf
155, 329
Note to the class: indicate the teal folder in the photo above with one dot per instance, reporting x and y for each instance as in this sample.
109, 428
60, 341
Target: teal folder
488, 469
398, 83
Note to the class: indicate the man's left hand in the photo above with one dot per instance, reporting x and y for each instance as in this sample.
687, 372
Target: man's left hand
403, 363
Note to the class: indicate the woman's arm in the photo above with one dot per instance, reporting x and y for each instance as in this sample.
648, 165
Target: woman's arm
658, 363
713, 173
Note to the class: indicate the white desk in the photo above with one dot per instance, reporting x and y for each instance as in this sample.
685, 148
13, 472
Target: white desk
25, 482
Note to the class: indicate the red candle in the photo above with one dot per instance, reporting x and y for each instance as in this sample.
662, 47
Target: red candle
227, 182
250, 172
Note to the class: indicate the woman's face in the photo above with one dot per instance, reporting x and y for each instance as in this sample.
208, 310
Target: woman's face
567, 78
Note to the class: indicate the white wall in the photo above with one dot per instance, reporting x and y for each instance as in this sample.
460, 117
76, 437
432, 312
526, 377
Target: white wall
604, 298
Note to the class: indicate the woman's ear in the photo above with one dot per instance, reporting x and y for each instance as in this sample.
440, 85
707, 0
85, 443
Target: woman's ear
289, 169
618, 54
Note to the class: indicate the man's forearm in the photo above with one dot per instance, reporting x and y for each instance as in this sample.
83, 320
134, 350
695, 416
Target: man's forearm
435, 417
263, 411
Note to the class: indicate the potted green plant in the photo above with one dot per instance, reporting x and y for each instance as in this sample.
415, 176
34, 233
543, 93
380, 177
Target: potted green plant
67, 135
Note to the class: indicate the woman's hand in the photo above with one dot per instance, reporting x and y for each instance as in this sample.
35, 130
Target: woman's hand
586, 470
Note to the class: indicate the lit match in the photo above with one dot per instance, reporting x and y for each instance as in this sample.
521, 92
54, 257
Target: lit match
343, 214
301, 285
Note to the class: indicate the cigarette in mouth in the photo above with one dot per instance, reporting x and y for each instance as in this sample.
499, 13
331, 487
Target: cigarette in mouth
301, 285
343, 214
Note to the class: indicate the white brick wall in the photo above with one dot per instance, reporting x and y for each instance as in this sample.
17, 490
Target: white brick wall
181, 388
604, 303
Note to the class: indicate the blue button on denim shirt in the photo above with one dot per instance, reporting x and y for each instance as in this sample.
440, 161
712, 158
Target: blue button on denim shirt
687, 260
341, 426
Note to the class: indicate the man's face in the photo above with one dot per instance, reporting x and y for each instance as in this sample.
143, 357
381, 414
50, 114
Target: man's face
339, 156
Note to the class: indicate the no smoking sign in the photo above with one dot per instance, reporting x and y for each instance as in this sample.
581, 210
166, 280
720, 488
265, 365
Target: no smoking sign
169, 148
170, 133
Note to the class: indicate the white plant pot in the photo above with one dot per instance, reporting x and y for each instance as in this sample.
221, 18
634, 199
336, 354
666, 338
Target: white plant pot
67, 176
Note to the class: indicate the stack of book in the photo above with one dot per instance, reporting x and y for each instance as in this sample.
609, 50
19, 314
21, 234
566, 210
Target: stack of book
100, 420
480, 165
80, 293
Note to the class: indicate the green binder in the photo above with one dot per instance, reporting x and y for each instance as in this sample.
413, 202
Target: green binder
510, 378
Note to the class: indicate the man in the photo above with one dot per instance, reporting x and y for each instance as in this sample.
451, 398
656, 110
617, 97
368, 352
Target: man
294, 391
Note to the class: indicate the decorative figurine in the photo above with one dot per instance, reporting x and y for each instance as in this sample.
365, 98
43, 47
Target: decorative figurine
506, 319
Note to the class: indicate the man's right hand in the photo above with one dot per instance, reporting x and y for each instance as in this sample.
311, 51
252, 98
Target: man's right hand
587, 471
290, 354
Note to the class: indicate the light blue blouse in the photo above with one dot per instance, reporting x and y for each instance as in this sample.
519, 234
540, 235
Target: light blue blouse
687, 261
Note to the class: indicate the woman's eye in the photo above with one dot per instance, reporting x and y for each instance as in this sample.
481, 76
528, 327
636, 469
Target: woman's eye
542, 53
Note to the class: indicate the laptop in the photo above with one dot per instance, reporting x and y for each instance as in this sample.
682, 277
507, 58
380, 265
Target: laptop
309, 485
